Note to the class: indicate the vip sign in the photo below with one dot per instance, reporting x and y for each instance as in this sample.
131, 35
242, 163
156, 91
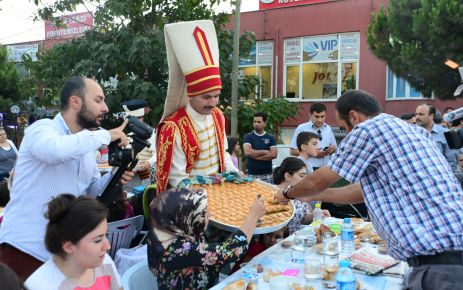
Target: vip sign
320, 48
269, 4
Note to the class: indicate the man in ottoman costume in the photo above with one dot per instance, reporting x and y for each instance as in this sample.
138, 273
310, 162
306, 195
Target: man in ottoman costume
191, 135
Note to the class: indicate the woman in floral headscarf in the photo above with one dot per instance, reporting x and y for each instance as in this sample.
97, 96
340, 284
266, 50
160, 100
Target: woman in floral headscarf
178, 253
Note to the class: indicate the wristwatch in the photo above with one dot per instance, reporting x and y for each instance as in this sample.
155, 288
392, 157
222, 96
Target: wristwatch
285, 192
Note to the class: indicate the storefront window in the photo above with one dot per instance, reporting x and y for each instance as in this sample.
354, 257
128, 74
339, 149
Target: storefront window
398, 88
348, 76
265, 77
259, 63
329, 65
248, 71
292, 82
319, 79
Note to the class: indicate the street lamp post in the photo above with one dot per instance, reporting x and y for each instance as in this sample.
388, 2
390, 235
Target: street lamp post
236, 55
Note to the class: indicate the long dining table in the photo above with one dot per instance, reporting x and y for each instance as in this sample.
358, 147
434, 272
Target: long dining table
280, 259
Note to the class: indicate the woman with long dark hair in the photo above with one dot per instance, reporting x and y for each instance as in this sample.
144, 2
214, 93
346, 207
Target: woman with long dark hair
290, 172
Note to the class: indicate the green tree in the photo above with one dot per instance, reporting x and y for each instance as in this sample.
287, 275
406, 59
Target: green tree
415, 37
127, 42
9, 80
277, 109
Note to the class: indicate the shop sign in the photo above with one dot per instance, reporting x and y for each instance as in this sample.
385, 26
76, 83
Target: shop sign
15, 52
320, 48
75, 24
350, 46
269, 4
265, 52
292, 50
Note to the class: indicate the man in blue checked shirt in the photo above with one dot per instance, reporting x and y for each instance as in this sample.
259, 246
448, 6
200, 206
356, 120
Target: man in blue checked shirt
414, 200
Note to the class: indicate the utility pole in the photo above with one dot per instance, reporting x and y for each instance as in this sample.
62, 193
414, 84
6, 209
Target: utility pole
236, 56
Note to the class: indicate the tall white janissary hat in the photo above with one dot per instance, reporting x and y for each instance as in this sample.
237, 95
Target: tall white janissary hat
193, 58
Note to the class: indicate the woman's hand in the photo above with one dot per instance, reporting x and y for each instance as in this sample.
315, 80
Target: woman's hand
256, 211
326, 213
258, 208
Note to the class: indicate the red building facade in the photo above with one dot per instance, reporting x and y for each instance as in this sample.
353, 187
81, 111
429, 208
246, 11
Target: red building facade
311, 51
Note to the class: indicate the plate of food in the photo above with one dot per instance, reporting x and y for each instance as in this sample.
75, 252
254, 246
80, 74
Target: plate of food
368, 234
230, 202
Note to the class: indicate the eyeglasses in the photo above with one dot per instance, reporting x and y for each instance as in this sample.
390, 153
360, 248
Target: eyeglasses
319, 134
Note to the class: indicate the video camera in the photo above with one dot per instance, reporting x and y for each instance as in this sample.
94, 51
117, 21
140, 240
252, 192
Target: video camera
125, 158
454, 137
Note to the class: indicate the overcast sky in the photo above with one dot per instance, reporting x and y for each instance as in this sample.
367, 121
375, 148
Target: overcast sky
17, 25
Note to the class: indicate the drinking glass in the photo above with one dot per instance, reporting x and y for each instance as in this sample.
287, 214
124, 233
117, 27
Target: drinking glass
299, 241
330, 267
330, 255
312, 267
330, 244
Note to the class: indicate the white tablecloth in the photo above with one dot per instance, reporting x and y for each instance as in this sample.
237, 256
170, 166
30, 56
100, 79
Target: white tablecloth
279, 259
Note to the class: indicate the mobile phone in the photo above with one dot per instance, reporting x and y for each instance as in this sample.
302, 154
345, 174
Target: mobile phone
326, 148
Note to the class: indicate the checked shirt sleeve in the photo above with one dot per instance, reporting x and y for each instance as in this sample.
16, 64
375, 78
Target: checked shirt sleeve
356, 152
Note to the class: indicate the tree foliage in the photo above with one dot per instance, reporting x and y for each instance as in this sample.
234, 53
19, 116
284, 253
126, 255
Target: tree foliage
277, 110
127, 44
9, 80
416, 37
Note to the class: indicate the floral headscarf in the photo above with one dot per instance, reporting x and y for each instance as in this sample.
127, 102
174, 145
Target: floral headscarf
177, 212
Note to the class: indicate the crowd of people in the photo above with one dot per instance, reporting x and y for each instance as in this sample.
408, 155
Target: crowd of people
54, 227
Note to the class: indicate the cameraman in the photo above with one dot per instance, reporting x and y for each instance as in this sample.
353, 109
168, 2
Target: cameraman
56, 156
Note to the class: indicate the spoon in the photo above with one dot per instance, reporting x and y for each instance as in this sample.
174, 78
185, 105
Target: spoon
329, 285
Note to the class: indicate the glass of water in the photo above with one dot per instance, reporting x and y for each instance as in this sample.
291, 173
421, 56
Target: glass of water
330, 244
312, 267
299, 241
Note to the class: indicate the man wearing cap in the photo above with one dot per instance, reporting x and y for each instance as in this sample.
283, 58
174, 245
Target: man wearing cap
146, 157
191, 135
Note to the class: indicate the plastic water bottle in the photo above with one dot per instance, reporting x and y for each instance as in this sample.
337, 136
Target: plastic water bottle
317, 214
345, 279
347, 239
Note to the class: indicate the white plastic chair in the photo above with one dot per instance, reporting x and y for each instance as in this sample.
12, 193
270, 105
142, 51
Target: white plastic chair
121, 233
139, 277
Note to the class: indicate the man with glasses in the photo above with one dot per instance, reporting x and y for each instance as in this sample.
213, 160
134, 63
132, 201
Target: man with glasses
317, 125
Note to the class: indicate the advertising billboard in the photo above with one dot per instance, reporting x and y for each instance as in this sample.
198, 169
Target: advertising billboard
16, 51
75, 24
270, 4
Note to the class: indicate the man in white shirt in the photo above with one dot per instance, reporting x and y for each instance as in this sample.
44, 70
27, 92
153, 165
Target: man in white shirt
327, 141
191, 135
56, 156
